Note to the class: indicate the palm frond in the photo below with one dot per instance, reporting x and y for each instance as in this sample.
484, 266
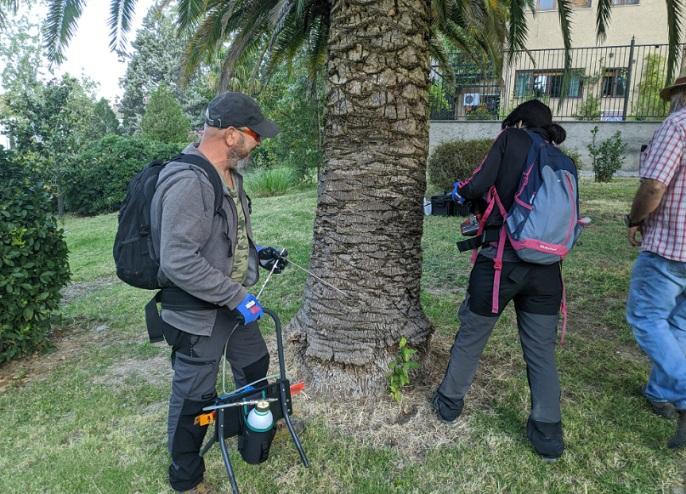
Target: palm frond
603, 18
243, 40
202, 43
674, 13
518, 30
188, 12
121, 15
440, 55
7, 7
60, 26
564, 9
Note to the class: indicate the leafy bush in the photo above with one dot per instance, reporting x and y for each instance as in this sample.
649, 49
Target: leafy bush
96, 181
482, 112
575, 155
608, 156
590, 109
267, 182
453, 160
33, 261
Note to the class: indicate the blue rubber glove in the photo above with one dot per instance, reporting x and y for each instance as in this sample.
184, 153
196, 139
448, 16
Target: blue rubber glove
250, 309
455, 194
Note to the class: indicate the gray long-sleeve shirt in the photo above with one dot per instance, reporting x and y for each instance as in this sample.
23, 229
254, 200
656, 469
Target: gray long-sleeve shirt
195, 246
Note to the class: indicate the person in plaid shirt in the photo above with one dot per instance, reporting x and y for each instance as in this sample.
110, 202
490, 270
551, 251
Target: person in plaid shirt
656, 308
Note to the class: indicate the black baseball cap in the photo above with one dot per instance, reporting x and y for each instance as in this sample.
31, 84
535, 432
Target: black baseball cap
230, 109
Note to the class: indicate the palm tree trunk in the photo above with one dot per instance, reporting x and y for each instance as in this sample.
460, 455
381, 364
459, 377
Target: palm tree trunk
368, 224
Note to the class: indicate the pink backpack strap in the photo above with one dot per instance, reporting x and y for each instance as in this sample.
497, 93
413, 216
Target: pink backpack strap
498, 268
498, 261
563, 310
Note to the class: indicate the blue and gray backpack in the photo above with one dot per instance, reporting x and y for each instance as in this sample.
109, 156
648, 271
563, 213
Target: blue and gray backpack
543, 223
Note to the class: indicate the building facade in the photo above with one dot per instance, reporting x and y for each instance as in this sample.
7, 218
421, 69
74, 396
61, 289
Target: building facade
615, 80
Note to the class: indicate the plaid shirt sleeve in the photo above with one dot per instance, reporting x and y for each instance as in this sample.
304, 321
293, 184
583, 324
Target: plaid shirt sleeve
663, 158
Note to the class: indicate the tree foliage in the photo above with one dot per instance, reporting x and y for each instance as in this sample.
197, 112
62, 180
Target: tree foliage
155, 60
652, 82
48, 124
164, 119
104, 120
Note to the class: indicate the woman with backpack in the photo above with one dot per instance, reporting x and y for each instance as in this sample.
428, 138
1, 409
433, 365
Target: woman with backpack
500, 275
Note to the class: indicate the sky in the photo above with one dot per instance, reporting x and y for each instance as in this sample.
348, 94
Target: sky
88, 50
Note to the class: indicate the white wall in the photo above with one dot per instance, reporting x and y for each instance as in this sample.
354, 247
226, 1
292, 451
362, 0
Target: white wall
634, 134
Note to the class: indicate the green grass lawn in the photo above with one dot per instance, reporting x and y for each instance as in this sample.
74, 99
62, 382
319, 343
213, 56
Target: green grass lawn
90, 416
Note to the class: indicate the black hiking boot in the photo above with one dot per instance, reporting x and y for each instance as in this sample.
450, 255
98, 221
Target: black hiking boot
546, 438
679, 439
663, 409
446, 412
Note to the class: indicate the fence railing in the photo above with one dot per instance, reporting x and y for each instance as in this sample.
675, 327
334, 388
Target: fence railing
609, 83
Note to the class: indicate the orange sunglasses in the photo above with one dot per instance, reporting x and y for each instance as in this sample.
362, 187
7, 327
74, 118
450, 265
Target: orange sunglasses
250, 132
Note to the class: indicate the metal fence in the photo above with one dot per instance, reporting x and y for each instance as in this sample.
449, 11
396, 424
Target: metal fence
610, 83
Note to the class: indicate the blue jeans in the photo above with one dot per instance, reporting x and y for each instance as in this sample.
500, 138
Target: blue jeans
656, 311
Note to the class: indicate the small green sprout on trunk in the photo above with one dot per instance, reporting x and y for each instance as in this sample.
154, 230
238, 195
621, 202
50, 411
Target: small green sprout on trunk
399, 377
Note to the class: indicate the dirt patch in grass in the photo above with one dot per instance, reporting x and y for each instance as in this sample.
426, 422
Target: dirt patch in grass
75, 290
66, 342
156, 371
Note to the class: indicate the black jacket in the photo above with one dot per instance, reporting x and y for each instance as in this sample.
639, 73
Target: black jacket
503, 166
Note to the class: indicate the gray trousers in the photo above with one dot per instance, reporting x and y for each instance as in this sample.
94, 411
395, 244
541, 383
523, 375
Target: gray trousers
196, 361
537, 333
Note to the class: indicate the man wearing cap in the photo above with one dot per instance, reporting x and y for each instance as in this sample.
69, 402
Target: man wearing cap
656, 308
207, 259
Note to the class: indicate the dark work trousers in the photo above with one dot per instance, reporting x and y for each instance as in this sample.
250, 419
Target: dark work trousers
537, 293
196, 361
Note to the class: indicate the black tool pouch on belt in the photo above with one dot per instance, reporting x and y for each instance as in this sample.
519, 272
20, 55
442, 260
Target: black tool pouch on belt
489, 235
173, 299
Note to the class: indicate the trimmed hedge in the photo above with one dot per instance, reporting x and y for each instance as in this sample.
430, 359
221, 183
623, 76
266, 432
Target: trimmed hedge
96, 181
456, 159
33, 261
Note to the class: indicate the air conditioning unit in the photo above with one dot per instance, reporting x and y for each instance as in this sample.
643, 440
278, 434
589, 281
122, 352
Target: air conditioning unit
471, 99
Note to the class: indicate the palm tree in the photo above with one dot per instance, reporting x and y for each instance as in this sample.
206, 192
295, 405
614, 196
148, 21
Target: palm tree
7, 7
368, 224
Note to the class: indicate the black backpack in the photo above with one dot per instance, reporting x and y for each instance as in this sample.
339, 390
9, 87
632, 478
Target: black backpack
133, 250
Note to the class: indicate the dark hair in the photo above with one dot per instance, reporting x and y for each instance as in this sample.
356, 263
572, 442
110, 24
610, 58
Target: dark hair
536, 115
556, 133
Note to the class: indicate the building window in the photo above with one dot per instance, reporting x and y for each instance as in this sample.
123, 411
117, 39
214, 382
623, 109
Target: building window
552, 4
539, 84
614, 83
625, 2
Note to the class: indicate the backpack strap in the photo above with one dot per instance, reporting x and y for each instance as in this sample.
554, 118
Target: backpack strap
498, 260
212, 175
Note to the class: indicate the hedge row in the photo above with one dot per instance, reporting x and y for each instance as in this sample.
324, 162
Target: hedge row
33, 261
95, 182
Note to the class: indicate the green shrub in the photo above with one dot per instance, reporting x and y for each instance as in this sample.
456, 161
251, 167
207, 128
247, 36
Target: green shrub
33, 261
482, 112
590, 109
453, 160
96, 181
267, 182
607, 156
575, 155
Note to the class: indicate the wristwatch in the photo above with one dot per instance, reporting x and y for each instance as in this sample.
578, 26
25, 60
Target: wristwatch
629, 223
